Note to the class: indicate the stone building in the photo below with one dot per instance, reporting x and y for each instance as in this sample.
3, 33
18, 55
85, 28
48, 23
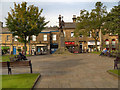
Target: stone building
46, 42
83, 43
110, 41
48, 39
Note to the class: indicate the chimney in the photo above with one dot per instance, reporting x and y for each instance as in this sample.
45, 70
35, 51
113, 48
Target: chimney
59, 20
74, 18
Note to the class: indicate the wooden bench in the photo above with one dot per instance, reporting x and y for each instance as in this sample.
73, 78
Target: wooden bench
116, 62
11, 64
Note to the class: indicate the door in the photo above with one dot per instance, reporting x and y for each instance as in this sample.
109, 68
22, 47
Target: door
14, 50
80, 47
38, 49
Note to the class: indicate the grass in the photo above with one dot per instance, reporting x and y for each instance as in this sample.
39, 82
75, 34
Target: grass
5, 58
96, 52
19, 80
117, 72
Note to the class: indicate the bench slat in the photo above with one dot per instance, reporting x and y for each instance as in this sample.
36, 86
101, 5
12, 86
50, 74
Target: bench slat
4, 64
19, 63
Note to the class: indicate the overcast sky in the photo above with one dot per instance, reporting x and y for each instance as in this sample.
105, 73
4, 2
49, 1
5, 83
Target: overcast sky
52, 8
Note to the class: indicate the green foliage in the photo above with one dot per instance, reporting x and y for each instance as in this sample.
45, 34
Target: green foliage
91, 21
112, 21
117, 72
19, 50
25, 21
96, 52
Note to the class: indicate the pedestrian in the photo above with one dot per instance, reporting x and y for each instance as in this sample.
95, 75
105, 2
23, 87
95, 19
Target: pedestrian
103, 52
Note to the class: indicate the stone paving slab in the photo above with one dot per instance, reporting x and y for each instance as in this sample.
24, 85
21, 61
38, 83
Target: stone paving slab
72, 71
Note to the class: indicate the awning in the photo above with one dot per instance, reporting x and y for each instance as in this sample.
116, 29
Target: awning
41, 45
93, 43
5, 47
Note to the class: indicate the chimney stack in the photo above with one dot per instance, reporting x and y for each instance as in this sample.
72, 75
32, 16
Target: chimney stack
74, 18
59, 20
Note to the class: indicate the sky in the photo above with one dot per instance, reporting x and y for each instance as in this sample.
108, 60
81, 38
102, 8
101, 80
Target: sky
53, 8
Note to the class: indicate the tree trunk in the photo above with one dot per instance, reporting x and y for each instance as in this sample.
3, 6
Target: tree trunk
96, 45
25, 45
118, 44
29, 47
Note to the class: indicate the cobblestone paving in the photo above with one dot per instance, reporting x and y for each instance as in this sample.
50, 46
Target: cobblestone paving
72, 71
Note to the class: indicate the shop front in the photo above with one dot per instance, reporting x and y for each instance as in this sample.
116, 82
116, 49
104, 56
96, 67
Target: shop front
70, 45
53, 47
113, 44
41, 49
5, 50
91, 46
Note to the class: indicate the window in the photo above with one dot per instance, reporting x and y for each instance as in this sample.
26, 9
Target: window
64, 33
97, 34
54, 37
27, 38
81, 35
72, 34
45, 37
15, 38
113, 43
8, 37
34, 38
90, 34
107, 42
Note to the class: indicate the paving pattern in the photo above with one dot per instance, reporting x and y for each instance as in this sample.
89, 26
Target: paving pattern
72, 71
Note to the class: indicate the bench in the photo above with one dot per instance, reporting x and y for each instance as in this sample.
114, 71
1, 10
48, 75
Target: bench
11, 64
116, 62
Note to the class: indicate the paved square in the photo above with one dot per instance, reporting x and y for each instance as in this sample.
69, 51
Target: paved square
73, 71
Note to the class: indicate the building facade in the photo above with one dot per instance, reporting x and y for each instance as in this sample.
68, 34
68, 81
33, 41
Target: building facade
86, 43
47, 41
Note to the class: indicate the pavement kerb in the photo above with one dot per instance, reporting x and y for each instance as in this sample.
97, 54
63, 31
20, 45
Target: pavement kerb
114, 74
36, 81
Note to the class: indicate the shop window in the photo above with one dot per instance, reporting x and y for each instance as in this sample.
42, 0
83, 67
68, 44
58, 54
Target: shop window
33, 38
8, 37
90, 34
54, 37
15, 38
72, 34
113, 43
45, 37
107, 43
97, 34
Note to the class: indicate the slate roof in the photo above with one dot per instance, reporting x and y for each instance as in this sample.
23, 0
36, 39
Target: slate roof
70, 25
49, 29
5, 30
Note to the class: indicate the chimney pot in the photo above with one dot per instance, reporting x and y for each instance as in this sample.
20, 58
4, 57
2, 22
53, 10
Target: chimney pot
74, 18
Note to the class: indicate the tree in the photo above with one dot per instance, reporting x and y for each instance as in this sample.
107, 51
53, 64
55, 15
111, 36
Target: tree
91, 22
25, 21
112, 22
